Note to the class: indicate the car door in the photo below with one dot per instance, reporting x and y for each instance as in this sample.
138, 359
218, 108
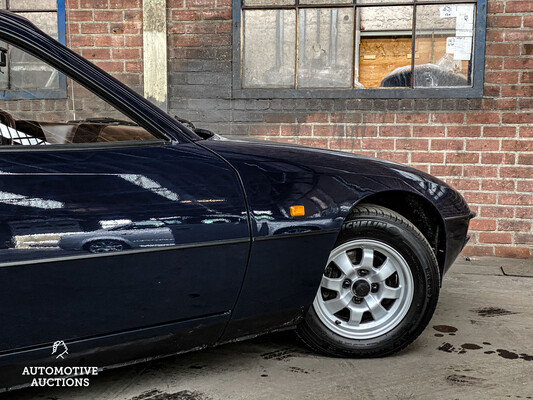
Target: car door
69, 176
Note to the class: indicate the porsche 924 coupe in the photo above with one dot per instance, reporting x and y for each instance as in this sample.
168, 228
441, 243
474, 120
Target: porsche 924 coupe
239, 238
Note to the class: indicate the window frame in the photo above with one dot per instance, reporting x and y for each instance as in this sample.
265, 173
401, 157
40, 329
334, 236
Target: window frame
478, 70
44, 94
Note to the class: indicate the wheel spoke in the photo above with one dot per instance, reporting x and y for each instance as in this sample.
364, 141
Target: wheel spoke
386, 270
338, 303
368, 258
356, 314
376, 309
331, 284
342, 261
390, 292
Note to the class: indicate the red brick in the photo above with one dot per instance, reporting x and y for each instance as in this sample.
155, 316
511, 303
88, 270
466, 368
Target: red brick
395, 156
501, 77
499, 131
483, 118
496, 212
482, 144
490, 237
447, 144
519, 6
313, 142
516, 172
412, 144
395, 131
345, 144
497, 185
517, 118
429, 131
512, 252
431, 157
448, 118
478, 251
478, 224
379, 118
494, 21
514, 225
515, 199
464, 131
497, 158
328, 130
446, 170
503, 49
517, 145
517, 91
462, 158
480, 197
481, 171
495, 7
375, 143
524, 238
412, 118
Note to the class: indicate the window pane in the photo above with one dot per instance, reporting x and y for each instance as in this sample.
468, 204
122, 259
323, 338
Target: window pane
81, 118
325, 47
47, 21
322, 2
444, 40
269, 50
33, 5
268, 2
384, 1
386, 46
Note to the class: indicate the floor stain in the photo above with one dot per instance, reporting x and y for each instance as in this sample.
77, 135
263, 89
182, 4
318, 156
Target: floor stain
298, 370
447, 347
510, 355
439, 335
464, 380
471, 346
182, 395
279, 355
492, 312
445, 328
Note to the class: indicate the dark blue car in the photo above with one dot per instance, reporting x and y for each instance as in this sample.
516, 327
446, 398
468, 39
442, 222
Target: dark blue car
245, 238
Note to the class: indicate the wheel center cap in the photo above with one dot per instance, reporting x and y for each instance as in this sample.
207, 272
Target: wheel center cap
361, 288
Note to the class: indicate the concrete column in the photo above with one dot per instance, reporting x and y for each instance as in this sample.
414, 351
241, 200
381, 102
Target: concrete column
155, 52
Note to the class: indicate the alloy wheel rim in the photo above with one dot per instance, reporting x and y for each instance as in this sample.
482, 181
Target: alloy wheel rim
105, 247
366, 290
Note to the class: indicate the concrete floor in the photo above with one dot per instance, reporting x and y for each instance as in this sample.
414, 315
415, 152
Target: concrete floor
479, 345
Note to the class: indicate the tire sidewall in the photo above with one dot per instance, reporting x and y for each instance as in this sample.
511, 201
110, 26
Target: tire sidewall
405, 239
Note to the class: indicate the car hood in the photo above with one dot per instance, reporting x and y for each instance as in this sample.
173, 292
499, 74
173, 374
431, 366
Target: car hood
369, 175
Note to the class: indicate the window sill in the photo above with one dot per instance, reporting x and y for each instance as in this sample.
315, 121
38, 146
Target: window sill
389, 93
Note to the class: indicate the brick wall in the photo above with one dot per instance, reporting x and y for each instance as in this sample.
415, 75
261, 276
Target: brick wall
483, 147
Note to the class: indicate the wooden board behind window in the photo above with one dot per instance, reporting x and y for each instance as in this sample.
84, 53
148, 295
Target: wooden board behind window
381, 55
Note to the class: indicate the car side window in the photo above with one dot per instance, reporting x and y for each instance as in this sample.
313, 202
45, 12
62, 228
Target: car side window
80, 117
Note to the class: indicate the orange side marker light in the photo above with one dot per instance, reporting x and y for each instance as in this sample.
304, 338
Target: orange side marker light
297, 211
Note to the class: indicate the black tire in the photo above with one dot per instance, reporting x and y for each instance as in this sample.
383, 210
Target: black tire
379, 224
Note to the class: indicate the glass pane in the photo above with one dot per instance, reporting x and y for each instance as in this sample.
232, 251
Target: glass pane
268, 2
385, 47
269, 50
33, 5
384, 1
326, 2
325, 47
444, 45
81, 118
47, 21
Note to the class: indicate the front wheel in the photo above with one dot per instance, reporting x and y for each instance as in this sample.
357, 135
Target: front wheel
379, 289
